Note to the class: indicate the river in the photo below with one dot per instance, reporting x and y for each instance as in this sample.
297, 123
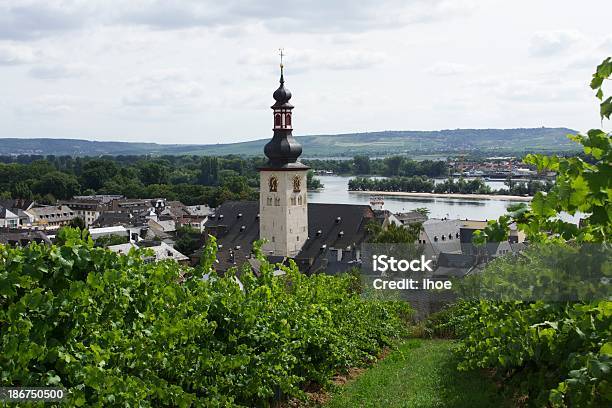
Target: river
336, 191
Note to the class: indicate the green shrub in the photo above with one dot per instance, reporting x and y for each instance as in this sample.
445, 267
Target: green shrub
556, 353
114, 330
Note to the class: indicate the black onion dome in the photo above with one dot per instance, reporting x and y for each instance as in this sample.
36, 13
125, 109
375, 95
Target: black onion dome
282, 149
282, 96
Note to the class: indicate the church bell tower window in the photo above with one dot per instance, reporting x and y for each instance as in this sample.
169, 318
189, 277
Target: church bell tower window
297, 181
273, 184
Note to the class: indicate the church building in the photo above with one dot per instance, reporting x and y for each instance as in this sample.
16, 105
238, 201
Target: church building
318, 237
283, 204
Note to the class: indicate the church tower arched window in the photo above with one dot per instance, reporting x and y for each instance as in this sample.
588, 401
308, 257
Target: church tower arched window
297, 181
273, 184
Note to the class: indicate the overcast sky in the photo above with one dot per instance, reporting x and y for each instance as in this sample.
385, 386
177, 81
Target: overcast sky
204, 71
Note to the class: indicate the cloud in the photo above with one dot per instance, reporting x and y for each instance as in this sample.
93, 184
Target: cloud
27, 19
549, 43
58, 71
302, 60
441, 10
447, 69
534, 89
587, 61
354, 59
175, 90
15, 54
606, 45
50, 104
31, 19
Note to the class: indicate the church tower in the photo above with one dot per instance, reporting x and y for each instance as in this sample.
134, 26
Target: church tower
283, 208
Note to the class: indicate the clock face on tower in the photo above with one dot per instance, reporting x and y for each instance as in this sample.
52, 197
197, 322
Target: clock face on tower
297, 181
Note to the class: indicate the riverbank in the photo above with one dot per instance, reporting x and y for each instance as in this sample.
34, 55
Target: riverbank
500, 197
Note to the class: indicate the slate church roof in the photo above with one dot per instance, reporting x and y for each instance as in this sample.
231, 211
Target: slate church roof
330, 227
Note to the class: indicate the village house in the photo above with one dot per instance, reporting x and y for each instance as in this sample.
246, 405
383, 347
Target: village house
51, 216
8, 219
18, 207
89, 208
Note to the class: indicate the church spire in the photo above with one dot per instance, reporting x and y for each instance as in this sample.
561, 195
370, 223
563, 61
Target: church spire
282, 94
283, 150
281, 53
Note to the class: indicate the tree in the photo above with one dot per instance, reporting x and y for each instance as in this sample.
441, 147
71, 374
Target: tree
21, 189
113, 239
60, 185
153, 172
77, 222
392, 165
393, 234
160, 190
422, 210
312, 183
362, 165
97, 172
209, 171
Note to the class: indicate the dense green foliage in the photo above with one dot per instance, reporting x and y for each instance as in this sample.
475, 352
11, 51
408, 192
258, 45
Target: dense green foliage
528, 187
189, 239
416, 184
116, 331
313, 183
189, 179
389, 166
461, 185
558, 352
554, 352
393, 234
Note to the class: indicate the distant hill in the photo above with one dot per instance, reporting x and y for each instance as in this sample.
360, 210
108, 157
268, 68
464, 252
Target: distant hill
486, 141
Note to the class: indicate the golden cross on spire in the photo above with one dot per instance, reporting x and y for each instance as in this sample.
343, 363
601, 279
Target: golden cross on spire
282, 54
